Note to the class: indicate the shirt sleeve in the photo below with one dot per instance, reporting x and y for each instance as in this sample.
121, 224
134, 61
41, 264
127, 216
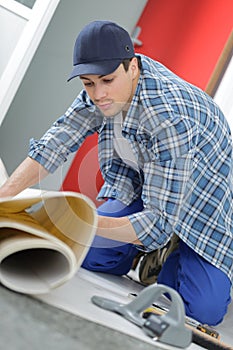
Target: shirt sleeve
66, 134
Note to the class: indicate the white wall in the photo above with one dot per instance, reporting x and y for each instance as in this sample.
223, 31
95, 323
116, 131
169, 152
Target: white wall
10, 34
224, 94
44, 93
23, 43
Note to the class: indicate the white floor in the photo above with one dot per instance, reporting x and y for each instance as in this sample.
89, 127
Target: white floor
75, 297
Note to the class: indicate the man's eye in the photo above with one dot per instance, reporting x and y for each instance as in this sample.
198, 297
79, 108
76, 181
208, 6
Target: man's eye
107, 81
88, 84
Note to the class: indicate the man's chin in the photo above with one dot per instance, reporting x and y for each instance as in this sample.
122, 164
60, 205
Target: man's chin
111, 111
110, 114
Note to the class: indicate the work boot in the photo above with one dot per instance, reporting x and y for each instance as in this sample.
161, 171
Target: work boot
151, 263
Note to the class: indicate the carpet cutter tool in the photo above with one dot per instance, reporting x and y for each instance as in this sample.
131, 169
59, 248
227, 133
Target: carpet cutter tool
168, 328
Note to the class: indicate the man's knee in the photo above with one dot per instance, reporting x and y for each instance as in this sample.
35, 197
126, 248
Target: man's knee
109, 256
207, 310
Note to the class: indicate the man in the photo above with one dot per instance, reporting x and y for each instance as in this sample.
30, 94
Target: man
165, 154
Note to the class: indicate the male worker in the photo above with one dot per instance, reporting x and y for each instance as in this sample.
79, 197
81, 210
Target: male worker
165, 153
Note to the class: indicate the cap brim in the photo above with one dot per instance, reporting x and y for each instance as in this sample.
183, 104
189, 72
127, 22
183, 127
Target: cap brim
96, 68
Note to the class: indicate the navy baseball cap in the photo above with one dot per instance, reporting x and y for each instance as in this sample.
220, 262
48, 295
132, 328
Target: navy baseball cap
99, 49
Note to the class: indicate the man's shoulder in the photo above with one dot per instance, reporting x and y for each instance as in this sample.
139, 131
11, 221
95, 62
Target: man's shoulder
153, 67
157, 77
160, 79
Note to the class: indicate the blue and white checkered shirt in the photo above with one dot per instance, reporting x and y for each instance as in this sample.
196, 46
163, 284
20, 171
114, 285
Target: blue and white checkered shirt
183, 147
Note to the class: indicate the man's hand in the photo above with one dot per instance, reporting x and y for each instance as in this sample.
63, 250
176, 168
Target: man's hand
28, 173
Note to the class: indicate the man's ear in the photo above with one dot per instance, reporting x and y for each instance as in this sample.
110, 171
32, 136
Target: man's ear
134, 66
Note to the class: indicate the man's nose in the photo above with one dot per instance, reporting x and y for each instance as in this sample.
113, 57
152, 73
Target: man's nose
99, 93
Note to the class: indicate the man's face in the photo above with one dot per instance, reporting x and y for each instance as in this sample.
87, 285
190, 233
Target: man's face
112, 93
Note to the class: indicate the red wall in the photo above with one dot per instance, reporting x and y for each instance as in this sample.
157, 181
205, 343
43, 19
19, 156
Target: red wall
187, 36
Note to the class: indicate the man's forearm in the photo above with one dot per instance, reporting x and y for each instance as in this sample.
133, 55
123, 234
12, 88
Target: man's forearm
28, 173
119, 229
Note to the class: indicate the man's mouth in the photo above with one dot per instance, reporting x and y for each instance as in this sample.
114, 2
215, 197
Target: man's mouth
104, 106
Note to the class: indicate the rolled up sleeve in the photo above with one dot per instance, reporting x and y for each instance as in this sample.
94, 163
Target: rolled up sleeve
65, 135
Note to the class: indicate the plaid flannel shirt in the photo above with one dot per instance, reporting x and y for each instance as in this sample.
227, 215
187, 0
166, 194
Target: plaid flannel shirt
183, 147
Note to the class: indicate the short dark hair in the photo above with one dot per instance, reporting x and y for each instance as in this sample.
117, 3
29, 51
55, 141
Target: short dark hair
127, 61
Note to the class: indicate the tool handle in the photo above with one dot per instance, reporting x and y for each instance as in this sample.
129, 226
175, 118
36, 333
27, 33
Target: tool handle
208, 342
151, 293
